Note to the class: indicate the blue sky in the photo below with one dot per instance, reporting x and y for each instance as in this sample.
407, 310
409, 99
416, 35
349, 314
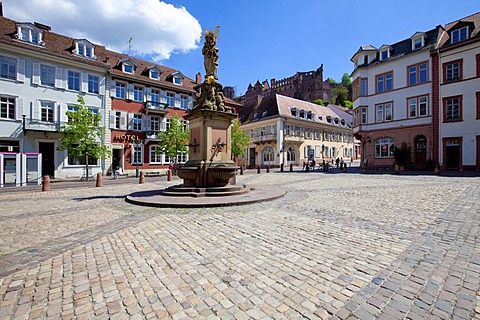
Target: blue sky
266, 39
259, 39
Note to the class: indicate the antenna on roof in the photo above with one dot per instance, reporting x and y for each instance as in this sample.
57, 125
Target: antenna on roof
130, 44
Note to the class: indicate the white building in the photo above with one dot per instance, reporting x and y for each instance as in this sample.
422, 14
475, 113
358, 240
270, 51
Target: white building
290, 131
42, 74
457, 95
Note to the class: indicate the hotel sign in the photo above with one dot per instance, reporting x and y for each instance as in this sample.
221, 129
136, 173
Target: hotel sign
127, 138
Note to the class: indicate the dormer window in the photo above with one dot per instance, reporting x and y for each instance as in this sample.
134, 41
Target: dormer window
177, 80
384, 52
85, 49
309, 115
302, 114
417, 43
336, 120
255, 116
128, 67
365, 59
29, 33
154, 74
264, 113
384, 55
294, 112
459, 35
329, 119
342, 122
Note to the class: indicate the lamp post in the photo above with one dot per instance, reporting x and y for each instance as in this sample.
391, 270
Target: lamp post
136, 143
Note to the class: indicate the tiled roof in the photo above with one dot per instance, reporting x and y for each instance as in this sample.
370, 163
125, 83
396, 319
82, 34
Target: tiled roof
471, 19
141, 72
55, 44
279, 105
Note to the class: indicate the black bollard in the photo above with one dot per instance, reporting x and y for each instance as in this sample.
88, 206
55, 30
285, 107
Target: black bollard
291, 167
268, 168
281, 167
258, 169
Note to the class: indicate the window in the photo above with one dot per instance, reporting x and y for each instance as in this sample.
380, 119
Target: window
118, 119
459, 35
478, 105
170, 99
177, 80
308, 133
417, 43
154, 124
47, 111
137, 122
155, 154
452, 109
294, 112
417, 106
155, 96
127, 68
364, 87
167, 123
452, 71
268, 155
81, 161
29, 35
85, 50
384, 148
384, 112
298, 131
291, 154
8, 68
318, 134
93, 84
384, 82
417, 74
74, 80
288, 130
120, 90
71, 108
47, 75
7, 108
137, 154
364, 116
384, 55
183, 102
154, 74
138, 93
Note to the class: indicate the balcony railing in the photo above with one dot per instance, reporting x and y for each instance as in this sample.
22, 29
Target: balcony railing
38, 125
154, 106
267, 137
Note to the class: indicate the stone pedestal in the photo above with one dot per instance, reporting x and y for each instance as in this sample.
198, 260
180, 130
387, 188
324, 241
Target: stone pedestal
210, 161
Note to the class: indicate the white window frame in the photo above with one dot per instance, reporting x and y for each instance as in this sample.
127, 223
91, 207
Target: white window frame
379, 143
10, 64
126, 67
456, 35
74, 80
171, 99
93, 84
183, 102
152, 72
43, 75
136, 149
177, 80
155, 124
158, 157
138, 93
120, 87
137, 122
9, 103
31, 32
49, 108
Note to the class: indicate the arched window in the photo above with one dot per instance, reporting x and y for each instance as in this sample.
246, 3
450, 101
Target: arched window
267, 155
291, 155
384, 148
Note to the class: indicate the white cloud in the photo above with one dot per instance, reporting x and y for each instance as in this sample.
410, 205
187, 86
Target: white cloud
157, 29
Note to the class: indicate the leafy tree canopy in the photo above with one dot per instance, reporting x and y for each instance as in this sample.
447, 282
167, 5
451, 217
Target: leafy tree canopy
319, 102
82, 135
175, 139
346, 80
240, 139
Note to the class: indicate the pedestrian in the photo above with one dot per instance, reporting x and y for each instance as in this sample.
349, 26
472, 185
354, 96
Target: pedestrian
313, 164
337, 161
116, 173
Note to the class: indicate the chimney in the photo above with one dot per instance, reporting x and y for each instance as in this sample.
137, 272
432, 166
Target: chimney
198, 78
1, 9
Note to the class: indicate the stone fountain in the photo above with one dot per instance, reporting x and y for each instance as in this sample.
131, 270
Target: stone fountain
210, 171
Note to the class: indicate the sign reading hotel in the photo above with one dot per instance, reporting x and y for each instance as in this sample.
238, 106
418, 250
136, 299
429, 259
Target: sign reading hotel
126, 138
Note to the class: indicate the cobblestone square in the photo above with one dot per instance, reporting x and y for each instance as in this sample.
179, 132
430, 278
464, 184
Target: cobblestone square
337, 246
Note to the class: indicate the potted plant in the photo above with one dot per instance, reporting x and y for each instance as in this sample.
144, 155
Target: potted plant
402, 156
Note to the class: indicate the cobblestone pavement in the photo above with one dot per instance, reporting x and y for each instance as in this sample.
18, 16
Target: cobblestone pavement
337, 246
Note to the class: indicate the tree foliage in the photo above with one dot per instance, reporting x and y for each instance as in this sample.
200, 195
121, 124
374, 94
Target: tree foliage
240, 139
175, 139
82, 135
346, 80
403, 154
319, 102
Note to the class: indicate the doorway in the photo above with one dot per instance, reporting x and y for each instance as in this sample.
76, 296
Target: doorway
420, 149
452, 157
117, 155
47, 149
251, 163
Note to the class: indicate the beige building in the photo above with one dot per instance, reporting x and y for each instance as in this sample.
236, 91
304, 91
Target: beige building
290, 131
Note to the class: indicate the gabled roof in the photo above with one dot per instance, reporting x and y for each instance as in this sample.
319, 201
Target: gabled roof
281, 106
471, 20
364, 48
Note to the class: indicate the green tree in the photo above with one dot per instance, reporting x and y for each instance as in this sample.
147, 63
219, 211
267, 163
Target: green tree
240, 139
346, 80
348, 104
82, 135
319, 102
175, 139
338, 95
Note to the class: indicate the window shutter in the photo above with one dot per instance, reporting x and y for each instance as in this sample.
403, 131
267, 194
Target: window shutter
64, 78
130, 121
19, 108
37, 110
56, 112
148, 94
123, 121
177, 100
163, 124
84, 85
148, 123
113, 88
163, 96
63, 113
20, 70
190, 103
36, 73
130, 91
112, 119
144, 122
101, 86
59, 77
